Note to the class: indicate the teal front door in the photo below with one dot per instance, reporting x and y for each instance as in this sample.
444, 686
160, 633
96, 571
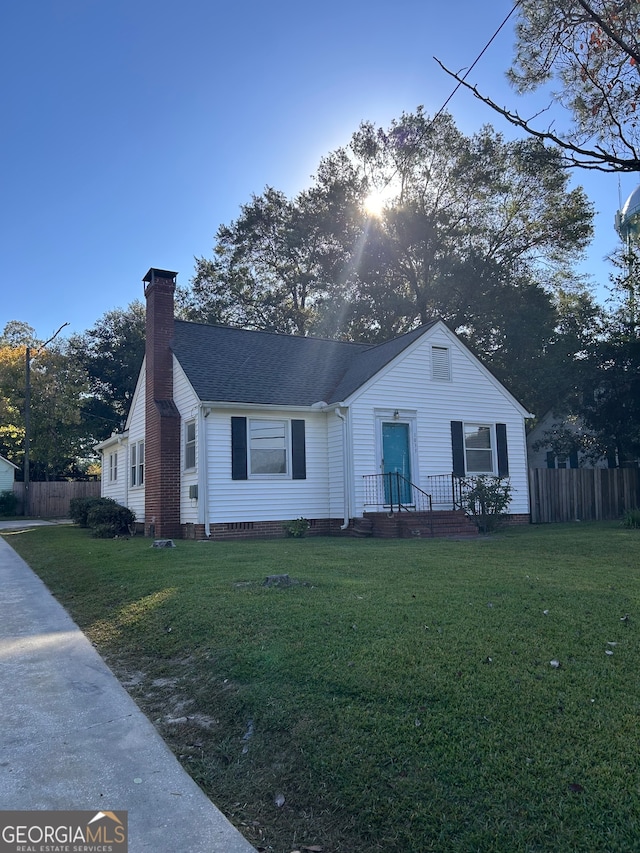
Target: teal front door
396, 463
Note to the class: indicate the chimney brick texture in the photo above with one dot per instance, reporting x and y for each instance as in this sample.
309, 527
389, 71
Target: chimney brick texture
162, 419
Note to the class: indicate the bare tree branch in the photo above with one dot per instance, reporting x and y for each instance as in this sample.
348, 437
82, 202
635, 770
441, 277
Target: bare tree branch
574, 155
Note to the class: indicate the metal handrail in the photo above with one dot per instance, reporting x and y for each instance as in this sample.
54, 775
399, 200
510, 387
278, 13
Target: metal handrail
450, 489
381, 489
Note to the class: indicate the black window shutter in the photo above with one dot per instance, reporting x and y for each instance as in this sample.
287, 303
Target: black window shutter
573, 459
298, 451
457, 448
503, 456
238, 448
551, 459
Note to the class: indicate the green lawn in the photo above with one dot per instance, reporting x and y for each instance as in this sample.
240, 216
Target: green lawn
400, 697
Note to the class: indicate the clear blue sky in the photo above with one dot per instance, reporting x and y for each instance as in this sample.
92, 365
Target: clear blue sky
132, 129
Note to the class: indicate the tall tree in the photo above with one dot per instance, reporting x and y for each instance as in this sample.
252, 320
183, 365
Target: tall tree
471, 217
611, 405
57, 440
12, 372
275, 265
611, 399
476, 230
590, 50
459, 211
110, 353
18, 333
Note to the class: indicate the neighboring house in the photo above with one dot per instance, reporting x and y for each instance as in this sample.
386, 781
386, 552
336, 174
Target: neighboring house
559, 441
7, 474
232, 432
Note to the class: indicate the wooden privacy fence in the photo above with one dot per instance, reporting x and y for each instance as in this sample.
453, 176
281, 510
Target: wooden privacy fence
582, 494
51, 500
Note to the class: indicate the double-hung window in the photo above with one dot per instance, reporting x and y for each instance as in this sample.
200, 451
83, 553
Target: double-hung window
113, 467
190, 445
478, 449
268, 446
136, 464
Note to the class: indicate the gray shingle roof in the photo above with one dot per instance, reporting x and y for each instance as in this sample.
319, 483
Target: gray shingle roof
226, 364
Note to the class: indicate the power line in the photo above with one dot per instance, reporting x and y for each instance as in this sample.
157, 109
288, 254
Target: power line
476, 60
100, 417
469, 70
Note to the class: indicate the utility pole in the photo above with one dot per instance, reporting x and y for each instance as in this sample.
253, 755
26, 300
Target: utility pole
27, 415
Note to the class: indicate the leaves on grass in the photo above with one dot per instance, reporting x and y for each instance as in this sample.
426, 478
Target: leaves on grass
279, 800
575, 787
554, 663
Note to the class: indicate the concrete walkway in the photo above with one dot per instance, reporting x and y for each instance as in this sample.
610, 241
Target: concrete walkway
72, 738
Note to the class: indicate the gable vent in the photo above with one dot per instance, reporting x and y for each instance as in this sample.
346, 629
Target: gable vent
441, 364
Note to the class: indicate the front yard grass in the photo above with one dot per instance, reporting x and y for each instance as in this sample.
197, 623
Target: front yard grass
399, 697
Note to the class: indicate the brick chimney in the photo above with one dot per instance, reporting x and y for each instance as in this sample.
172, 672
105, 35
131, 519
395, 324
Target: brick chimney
162, 419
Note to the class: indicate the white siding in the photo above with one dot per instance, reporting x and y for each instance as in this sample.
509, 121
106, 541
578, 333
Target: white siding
136, 426
549, 423
269, 498
335, 459
187, 403
115, 489
406, 386
472, 395
7, 475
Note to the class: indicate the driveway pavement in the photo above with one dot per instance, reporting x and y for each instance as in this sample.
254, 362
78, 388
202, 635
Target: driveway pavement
31, 522
71, 737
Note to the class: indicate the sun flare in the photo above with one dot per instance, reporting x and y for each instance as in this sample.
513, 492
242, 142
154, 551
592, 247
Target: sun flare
375, 202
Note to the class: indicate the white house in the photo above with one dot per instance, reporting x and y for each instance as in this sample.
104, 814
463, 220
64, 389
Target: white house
558, 441
7, 474
232, 432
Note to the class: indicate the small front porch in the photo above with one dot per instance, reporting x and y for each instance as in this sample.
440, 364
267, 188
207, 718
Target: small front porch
395, 508
414, 525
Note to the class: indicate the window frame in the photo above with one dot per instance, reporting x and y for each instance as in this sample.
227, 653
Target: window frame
472, 425
113, 466
189, 445
136, 464
278, 475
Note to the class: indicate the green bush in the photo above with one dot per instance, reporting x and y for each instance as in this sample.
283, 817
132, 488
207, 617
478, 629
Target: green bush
104, 516
8, 503
79, 509
631, 518
297, 527
107, 519
485, 500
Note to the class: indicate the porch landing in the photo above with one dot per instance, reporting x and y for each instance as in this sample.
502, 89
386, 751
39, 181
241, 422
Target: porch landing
414, 525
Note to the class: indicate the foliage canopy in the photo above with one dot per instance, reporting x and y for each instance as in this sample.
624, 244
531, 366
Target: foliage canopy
589, 50
477, 230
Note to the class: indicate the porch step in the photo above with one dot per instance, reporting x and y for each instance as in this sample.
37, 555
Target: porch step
415, 525
362, 527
